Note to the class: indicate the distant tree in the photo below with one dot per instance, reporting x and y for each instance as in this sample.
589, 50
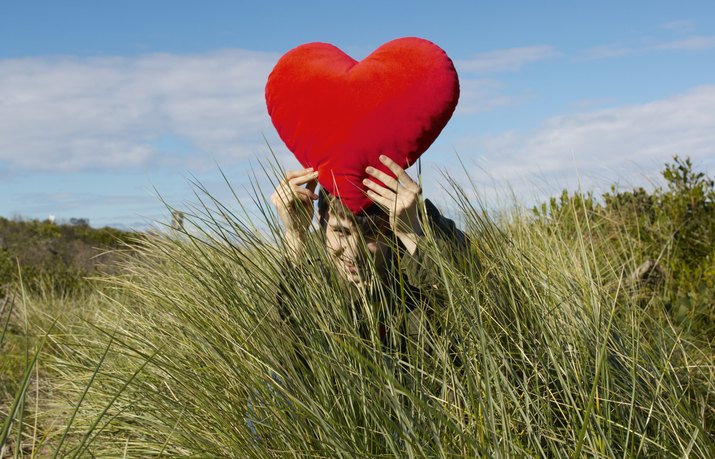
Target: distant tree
79, 221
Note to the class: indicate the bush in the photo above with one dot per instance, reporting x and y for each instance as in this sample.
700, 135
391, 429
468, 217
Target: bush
668, 232
56, 257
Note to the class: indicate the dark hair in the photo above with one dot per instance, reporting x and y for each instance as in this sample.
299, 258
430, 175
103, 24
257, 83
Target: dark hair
369, 220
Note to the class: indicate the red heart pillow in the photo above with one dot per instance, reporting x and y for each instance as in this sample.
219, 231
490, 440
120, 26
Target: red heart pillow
338, 115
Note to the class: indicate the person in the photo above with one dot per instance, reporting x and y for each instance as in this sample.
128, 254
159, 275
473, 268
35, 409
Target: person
362, 248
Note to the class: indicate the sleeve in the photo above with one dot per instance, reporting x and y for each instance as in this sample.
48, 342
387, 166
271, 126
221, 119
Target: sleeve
420, 269
287, 288
424, 274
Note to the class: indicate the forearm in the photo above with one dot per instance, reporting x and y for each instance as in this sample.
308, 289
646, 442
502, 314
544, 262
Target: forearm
410, 239
421, 259
295, 244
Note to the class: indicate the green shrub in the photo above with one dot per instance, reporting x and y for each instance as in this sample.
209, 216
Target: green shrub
51, 256
671, 226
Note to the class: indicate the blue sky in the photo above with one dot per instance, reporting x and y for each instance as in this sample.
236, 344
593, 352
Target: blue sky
103, 106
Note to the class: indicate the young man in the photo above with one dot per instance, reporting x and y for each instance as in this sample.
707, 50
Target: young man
362, 250
355, 242
396, 212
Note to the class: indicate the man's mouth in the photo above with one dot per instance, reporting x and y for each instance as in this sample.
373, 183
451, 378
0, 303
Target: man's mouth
350, 267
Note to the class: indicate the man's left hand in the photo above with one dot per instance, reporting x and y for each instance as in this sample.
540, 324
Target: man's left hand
401, 198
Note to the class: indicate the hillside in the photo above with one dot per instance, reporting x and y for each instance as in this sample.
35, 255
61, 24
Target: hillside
55, 255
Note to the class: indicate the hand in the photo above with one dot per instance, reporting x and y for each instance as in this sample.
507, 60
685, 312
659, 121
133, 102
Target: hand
294, 202
401, 198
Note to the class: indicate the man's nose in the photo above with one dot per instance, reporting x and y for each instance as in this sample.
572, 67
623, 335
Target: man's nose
350, 247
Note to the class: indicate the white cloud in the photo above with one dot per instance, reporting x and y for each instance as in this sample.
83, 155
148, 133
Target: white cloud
68, 114
692, 43
628, 144
34, 202
63, 113
477, 96
590, 104
506, 59
695, 43
678, 26
608, 51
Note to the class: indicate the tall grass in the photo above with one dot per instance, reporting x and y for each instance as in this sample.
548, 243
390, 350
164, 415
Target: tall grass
31, 322
531, 344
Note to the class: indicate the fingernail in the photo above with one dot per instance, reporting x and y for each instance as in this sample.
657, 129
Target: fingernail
310, 169
369, 169
383, 157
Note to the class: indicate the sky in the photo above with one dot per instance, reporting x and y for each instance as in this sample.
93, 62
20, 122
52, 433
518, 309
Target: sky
110, 110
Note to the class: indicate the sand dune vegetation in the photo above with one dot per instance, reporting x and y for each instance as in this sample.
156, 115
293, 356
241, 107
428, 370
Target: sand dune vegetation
579, 328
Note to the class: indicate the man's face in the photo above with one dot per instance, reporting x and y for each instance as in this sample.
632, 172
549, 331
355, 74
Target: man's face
351, 252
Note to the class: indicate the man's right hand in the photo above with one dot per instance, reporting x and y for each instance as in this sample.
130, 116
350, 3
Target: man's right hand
294, 198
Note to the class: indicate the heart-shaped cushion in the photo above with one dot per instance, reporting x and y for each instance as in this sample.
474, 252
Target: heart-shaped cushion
338, 115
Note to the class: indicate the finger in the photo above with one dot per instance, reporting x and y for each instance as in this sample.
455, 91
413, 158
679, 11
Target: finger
381, 190
399, 172
381, 200
389, 182
393, 166
288, 194
298, 173
304, 200
303, 179
305, 192
283, 197
294, 201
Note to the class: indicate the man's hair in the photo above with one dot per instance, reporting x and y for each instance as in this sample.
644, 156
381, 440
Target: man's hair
370, 220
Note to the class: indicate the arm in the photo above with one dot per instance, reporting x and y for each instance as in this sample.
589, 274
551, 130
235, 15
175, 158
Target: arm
293, 199
419, 266
401, 197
